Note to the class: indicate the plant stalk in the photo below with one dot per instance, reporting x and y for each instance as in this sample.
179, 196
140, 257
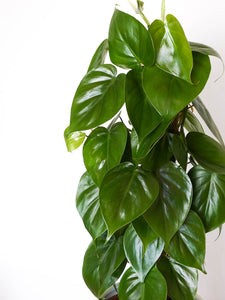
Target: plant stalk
163, 10
139, 10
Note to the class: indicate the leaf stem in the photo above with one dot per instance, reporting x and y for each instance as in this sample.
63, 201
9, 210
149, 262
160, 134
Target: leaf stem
163, 10
139, 10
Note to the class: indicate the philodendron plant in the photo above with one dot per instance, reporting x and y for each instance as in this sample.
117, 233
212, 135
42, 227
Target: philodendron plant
155, 182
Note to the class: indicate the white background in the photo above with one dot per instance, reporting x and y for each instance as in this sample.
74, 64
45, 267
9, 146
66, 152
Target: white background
45, 49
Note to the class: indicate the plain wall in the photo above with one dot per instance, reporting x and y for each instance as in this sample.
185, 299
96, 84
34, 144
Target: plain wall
45, 49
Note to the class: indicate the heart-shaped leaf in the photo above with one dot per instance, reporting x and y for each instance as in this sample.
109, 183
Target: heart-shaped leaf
182, 281
141, 261
126, 193
99, 56
173, 52
173, 202
142, 114
103, 150
73, 139
188, 244
208, 196
206, 151
204, 113
88, 206
101, 262
98, 98
191, 123
154, 287
126, 46
169, 94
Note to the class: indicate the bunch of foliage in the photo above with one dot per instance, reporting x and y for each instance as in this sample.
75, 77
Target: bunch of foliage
154, 187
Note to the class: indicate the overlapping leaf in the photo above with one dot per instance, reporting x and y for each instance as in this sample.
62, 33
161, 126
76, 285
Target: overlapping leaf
192, 123
73, 139
103, 150
99, 56
179, 150
98, 98
126, 193
130, 44
208, 196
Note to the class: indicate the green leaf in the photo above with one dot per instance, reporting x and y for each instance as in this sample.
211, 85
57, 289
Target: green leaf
188, 244
171, 208
130, 44
141, 149
141, 261
127, 155
169, 94
142, 114
154, 286
206, 151
103, 150
191, 123
126, 193
98, 98
101, 262
159, 155
73, 139
145, 232
99, 56
173, 52
182, 281
204, 113
208, 197
179, 150
88, 206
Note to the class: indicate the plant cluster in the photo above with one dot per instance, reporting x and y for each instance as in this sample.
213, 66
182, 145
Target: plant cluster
156, 185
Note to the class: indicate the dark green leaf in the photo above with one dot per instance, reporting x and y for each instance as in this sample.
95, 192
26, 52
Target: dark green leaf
169, 94
206, 151
159, 155
171, 208
204, 113
101, 262
188, 244
208, 197
73, 139
179, 150
191, 123
103, 150
126, 193
99, 56
173, 52
87, 202
145, 232
142, 114
98, 98
181, 281
141, 261
130, 44
154, 286
127, 155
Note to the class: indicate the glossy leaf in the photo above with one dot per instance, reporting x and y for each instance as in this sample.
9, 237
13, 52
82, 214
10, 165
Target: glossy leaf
127, 155
99, 56
126, 46
206, 151
98, 98
169, 94
141, 149
159, 155
88, 206
188, 244
103, 150
144, 231
126, 193
142, 114
191, 122
179, 150
172, 206
73, 139
154, 286
101, 262
141, 261
173, 52
181, 281
208, 197
204, 113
